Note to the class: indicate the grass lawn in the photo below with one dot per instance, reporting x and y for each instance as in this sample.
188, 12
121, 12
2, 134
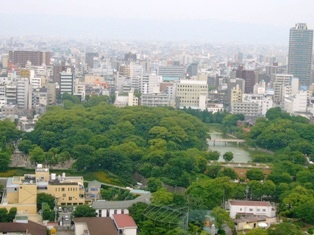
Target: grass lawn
215, 127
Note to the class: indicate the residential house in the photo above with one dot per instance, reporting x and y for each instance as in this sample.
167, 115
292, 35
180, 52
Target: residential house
94, 226
125, 224
28, 228
243, 207
93, 191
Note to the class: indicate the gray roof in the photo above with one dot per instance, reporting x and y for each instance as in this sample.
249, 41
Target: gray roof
94, 183
10, 183
102, 204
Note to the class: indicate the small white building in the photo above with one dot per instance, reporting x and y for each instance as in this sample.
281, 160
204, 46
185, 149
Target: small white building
109, 208
242, 207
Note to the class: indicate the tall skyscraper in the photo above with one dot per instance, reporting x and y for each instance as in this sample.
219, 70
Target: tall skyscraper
300, 53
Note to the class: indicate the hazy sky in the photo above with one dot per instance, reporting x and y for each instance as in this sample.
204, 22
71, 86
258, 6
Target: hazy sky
263, 13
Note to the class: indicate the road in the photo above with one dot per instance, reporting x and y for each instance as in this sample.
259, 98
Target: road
63, 216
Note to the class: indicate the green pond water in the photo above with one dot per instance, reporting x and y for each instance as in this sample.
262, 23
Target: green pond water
239, 153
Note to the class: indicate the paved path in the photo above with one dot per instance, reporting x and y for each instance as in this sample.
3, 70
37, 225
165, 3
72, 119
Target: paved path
109, 185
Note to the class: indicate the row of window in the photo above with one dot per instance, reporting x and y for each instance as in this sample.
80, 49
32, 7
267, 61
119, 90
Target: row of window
258, 210
63, 189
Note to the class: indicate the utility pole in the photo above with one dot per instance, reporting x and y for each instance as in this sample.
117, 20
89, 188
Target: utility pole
223, 199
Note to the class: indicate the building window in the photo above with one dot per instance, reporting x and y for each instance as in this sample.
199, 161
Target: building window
62, 189
240, 209
258, 210
64, 195
70, 198
250, 209
264, 210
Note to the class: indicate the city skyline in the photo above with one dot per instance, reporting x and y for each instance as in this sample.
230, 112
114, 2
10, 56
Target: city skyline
220, 21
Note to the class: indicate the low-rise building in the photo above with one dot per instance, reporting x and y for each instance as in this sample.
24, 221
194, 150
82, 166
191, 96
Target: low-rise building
248, 109
125, 224
28, 228
109, 208
155, 99
94, 226
21, 191
93, 190
251, 222
243, 207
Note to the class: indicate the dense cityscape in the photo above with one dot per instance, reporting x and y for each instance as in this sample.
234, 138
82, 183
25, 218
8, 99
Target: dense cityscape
153, 137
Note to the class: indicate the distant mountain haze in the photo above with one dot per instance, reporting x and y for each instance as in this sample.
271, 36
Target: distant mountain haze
143, 29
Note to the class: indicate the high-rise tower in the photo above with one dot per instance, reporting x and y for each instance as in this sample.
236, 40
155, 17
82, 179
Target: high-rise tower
300, 53
67, 82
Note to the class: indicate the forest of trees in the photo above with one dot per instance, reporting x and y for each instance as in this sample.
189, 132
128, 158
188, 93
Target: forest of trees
155, 142
169, 146
281, 131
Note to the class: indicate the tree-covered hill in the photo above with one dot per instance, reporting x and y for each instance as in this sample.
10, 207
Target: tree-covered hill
159, 142
280, 131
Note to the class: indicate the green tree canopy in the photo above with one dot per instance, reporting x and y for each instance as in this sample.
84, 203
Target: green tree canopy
162, 197
284, 229
84, 211
228, 156
45, 198
255, 174
222, 217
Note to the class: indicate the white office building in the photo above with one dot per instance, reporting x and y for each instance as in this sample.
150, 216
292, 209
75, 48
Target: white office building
66, 82
24, 94
11, 93
296, 103
248, 109
279, 82
79, 89
150, 84
154, 99
265, 102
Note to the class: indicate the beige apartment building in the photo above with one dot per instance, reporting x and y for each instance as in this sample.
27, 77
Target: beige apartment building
236, 95
192, 93
21, 191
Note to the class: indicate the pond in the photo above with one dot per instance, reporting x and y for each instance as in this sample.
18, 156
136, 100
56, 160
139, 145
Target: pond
239, 153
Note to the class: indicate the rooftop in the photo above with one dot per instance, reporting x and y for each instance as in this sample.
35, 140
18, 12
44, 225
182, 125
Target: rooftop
30, 227
248, 203
98, 225
102, 204
124, 221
